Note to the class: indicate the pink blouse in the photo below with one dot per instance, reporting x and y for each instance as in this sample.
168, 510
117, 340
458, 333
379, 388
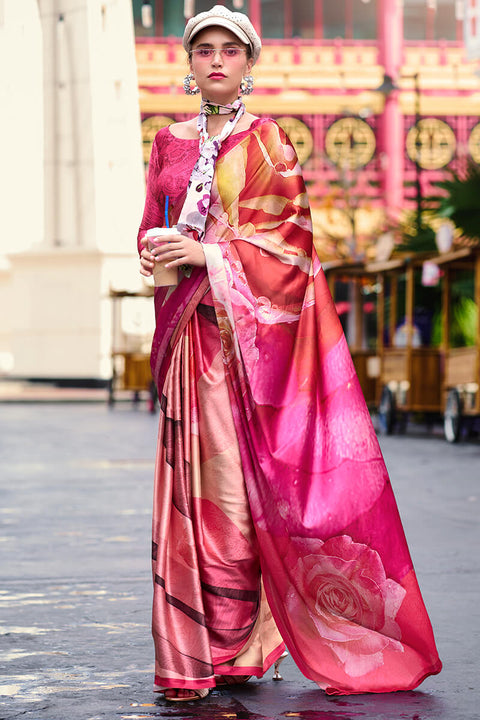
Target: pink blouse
171, 163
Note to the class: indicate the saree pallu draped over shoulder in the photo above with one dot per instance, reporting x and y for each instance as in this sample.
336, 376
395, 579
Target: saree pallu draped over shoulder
334, 560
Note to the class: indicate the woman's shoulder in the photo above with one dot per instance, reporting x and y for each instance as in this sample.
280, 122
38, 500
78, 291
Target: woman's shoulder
168, 149
186, 130
270, 133
268, 126
167, 144
275, 142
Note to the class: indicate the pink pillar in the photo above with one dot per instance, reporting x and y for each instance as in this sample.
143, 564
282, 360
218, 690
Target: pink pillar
255, 15
390, 46
318, 22
287, 19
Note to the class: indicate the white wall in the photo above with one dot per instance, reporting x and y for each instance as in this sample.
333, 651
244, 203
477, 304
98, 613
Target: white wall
74, 172
94, 169
21, 126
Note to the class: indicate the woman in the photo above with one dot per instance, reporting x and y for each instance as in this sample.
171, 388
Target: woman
272, 506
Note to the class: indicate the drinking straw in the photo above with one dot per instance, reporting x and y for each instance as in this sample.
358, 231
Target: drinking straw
167, 199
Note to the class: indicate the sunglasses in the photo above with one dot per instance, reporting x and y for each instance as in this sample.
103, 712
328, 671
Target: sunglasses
206, 53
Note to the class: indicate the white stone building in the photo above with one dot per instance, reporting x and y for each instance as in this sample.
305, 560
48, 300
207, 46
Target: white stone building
71, 180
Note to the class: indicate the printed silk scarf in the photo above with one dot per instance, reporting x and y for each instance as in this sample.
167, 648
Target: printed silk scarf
194, 212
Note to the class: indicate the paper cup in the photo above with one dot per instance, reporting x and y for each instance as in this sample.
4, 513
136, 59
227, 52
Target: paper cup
161, 275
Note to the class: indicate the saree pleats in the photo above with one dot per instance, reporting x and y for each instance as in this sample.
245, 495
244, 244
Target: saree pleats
210, 614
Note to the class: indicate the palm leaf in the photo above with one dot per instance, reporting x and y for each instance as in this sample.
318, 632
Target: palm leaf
461, 203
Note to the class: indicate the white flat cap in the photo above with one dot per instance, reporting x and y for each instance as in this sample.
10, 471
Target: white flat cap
237, 23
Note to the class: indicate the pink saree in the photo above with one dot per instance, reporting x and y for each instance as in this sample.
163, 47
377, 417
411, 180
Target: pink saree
268, 467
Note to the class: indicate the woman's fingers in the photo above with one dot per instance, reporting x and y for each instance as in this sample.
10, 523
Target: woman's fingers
169, 241
177, 250
146, 256
170, 251
185, 250
147, 263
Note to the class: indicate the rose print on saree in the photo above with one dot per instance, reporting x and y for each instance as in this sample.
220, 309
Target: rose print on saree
348, 596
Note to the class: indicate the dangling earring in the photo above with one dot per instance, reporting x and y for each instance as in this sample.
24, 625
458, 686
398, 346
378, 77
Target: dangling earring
188, 88
246, 86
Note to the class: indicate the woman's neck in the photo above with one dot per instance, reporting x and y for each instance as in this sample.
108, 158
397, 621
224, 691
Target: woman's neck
217, 121
220, 101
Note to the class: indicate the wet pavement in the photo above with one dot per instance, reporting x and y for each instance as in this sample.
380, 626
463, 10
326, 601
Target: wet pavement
75, 590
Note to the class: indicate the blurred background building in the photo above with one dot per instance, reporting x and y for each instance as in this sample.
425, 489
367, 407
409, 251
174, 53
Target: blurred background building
380, 97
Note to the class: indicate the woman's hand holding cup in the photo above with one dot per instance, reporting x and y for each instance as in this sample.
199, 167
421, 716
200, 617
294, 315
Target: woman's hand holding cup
167, 249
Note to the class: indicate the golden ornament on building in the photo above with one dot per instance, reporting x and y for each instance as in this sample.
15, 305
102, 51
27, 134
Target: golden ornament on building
350, 143
150, 127
431, 143
474, 143
299, 135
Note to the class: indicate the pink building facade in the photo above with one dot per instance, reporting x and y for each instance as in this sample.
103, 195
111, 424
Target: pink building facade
377, 96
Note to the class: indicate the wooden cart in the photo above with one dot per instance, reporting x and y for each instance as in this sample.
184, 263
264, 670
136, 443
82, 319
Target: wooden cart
410, 368
351, 286
461, 378
130, 356
404, 372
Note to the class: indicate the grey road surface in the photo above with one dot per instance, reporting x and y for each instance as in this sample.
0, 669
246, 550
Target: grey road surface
76, 485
